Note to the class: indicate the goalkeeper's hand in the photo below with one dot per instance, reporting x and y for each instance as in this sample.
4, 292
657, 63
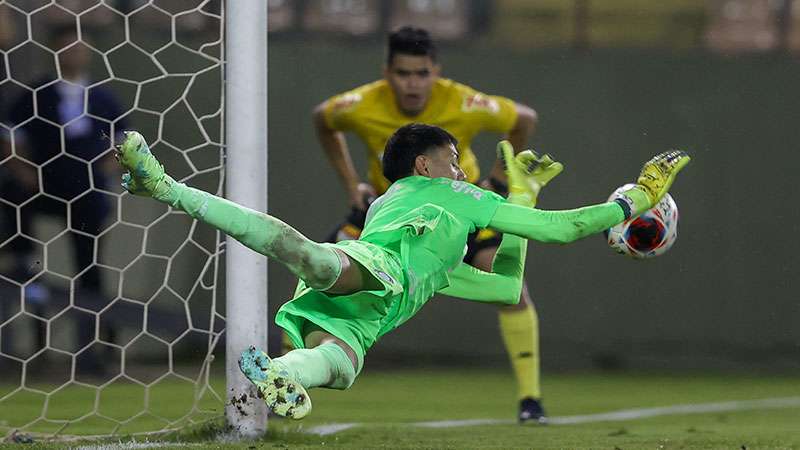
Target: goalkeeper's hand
654, 181
527, 173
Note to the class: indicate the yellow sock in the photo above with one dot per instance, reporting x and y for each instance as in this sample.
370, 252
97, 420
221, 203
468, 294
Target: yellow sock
520, 330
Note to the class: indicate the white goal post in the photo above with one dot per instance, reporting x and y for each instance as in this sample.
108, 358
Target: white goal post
246, 184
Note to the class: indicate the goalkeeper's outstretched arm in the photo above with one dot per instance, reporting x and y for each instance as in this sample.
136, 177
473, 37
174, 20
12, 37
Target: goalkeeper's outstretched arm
560, 227
518, 223
563, 227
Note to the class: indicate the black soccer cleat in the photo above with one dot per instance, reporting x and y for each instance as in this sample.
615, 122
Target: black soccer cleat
531, 412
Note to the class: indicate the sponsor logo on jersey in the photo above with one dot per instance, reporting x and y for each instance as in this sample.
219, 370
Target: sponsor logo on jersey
480, 102
466, 188
346, 101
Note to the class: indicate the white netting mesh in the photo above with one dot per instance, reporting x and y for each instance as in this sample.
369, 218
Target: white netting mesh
109, 316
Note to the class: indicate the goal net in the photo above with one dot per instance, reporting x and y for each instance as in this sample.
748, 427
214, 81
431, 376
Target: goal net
111, 307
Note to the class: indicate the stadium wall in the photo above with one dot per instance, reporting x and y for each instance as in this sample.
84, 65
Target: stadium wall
724, 297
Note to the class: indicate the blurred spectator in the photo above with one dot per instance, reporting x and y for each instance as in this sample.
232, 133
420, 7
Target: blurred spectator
74, 164
6, 29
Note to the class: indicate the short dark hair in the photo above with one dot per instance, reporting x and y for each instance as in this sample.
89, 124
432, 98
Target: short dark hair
410, 41
407, 143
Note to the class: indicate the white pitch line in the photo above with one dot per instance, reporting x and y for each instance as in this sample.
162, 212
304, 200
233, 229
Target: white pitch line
461, 423
613, 416
333, 428
134, 445
701, 408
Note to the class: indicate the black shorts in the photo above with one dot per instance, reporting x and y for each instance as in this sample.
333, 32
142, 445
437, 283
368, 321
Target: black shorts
480, 240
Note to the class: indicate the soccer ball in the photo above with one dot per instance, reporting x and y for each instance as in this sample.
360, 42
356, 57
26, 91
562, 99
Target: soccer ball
649, 235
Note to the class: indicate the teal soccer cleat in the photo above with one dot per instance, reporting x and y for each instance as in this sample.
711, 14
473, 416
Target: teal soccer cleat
284, 395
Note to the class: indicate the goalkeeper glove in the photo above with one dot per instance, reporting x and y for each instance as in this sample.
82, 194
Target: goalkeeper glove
654, 181
527, 173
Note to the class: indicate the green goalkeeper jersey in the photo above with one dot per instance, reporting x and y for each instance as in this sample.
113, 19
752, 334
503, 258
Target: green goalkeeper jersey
425, 221
413, 242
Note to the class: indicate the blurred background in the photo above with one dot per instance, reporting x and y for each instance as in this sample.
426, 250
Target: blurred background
613, 82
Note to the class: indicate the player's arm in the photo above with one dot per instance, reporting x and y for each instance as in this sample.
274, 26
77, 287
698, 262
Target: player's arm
503, 285
559, 227
654, 181
335, 146
524, 127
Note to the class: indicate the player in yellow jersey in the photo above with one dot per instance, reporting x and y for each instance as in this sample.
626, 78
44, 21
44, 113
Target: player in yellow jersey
412, 91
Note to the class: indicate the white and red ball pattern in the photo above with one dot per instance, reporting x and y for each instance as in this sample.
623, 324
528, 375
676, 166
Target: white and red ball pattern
649, 235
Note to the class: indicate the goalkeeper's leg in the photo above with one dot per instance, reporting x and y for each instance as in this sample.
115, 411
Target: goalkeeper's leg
320, 266
283, 382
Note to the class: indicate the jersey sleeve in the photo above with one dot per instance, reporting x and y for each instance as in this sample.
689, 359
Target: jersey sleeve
467, 201
341, 110
502, 285
469, 283
489, 112
556, 226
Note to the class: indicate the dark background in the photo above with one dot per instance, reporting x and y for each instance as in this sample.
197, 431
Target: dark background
724, 296
613, 85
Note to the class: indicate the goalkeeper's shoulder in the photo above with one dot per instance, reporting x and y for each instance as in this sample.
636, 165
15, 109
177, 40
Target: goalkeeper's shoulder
447, 187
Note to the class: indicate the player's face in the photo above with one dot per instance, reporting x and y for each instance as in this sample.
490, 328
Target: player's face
411, 78
443, 163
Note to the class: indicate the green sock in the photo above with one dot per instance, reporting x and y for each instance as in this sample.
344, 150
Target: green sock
316, 264
326, 365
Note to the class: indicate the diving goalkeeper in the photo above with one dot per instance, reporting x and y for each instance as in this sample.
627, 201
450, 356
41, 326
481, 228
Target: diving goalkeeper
353, 292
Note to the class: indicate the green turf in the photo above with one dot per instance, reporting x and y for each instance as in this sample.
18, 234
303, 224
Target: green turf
388, 403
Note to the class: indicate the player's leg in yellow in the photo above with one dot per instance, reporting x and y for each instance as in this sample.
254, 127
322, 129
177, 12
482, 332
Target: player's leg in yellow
519, 326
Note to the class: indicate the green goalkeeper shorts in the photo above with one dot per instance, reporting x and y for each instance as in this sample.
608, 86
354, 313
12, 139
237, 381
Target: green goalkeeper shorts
354, 318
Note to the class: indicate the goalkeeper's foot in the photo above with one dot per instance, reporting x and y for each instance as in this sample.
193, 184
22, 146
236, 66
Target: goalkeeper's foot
283, 395
531, 412
145, 175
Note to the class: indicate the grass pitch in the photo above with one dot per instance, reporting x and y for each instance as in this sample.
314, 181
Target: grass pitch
396, 410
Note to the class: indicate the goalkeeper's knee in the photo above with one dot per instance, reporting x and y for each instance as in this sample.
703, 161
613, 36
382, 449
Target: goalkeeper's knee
318, 265
321, 268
